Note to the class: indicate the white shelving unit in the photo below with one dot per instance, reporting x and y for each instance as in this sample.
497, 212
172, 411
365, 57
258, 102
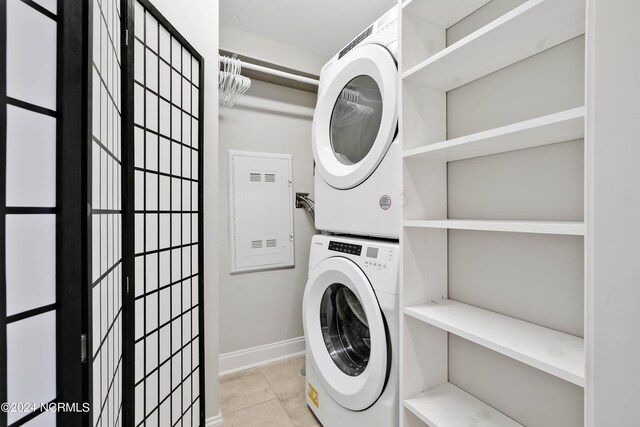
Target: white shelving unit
551, 129
531, 28
550, 351
547, 360
449, 406
567, 228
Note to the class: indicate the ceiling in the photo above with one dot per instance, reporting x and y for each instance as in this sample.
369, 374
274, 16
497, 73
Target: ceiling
323, 27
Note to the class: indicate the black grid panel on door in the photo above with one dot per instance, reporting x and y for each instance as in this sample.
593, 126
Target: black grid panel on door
106, 214
28, 209
166, 173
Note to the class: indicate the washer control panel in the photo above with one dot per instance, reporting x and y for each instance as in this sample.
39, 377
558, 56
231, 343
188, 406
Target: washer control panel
347, 248
372, 257
378, 258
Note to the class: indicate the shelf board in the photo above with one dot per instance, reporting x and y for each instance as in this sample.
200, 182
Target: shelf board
556, 353
570, 228
531, 28
443, 13
551, 129
449, 406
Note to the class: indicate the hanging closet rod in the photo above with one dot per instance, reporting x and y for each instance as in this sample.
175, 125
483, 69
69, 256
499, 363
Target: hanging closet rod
273, 73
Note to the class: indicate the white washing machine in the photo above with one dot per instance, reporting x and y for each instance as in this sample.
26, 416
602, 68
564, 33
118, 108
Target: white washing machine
350, 314
357, 156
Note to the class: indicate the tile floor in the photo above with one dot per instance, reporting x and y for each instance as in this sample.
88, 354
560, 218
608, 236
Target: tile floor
267, 396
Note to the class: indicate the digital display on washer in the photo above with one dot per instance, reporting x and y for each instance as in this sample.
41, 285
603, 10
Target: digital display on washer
372, 252
366, 33
347, 248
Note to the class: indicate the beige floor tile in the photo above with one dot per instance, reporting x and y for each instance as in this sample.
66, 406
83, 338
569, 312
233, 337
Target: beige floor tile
243, 389
266, 414
299, 413
285, 379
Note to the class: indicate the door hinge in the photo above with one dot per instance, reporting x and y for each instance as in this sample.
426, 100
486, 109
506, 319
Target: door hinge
83, 348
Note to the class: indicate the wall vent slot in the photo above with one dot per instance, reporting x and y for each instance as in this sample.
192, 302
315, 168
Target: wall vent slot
272, 243
269, 177
256, 244
255, 177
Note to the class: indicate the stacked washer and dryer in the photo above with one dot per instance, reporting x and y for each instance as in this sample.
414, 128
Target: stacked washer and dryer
351, 303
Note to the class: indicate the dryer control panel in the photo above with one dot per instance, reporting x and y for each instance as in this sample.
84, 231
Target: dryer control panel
355, 42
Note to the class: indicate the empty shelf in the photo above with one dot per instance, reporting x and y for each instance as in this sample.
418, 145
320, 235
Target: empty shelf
571, 228
556, 353
554, 128
527, 30
443, 13
449, 406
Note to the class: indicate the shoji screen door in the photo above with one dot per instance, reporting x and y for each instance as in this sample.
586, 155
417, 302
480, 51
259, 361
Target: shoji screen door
28, 209
42, 209
167, 224
106, 230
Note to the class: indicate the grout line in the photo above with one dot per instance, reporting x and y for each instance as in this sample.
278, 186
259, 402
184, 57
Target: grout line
224, 414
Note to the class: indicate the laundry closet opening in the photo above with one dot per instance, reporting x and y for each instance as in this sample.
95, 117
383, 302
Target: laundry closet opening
265, 158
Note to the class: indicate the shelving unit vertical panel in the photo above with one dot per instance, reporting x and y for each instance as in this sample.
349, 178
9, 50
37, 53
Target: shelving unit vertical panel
422, 39
425, 347
425, 189
424, 115
422, 120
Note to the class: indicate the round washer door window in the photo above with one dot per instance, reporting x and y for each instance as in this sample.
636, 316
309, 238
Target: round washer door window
345, 333
345, 329
355, 121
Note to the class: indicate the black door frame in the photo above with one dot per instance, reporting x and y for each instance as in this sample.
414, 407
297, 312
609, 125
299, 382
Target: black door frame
72, 251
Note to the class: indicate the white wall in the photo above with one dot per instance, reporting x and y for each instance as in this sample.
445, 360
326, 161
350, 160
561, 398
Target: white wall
262, 308
197, 21
613, 210
265, 49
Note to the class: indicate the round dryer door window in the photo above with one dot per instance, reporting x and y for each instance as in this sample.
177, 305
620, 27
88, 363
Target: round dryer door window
345, 329
355, 121
345, 333
356, 115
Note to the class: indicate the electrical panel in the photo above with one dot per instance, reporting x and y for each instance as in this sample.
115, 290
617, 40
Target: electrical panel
260, 211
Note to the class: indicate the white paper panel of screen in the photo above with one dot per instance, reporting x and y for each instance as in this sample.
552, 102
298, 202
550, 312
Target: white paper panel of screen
260, 211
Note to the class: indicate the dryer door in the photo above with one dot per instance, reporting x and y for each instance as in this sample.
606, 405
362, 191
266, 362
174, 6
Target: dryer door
346, 333
356, 116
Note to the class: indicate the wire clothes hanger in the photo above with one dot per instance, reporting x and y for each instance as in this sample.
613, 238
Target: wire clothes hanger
231, 85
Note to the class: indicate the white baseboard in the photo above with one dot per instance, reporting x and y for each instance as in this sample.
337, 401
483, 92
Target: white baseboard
215, 421
261, 355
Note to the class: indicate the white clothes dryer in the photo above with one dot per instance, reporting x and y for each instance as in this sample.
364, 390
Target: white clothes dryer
355, 124
350, 315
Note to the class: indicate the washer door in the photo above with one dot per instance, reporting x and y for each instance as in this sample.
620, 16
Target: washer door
356, 116
345, 333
